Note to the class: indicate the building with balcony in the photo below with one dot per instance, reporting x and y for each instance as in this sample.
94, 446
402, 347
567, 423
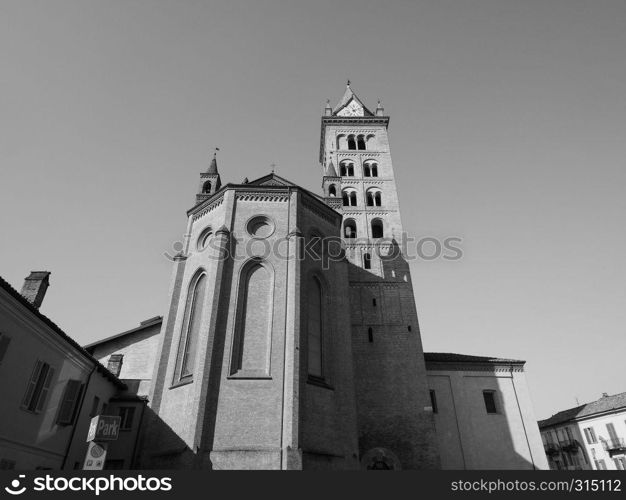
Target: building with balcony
590, 436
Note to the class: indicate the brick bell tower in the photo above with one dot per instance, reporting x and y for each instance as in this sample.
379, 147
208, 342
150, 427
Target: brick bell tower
394, 414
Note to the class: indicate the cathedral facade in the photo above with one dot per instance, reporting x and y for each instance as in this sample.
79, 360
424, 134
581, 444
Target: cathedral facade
291, 339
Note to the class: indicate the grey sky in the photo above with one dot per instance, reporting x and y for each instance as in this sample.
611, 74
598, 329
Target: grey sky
507, 129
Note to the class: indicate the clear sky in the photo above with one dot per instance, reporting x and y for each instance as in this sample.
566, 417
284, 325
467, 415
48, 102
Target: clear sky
507, 129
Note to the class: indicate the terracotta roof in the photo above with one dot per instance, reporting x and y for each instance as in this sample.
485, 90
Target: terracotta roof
19, 298
602, 405
449, 357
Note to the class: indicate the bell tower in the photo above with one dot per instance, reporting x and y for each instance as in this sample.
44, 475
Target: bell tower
395, 421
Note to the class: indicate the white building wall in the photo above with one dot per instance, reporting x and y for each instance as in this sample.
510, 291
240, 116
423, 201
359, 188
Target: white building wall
471, 438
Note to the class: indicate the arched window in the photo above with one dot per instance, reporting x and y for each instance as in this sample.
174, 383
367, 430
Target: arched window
372, 167
367, 264
377, 228
206, 187
349, 197
346, 168
191, 326
351, 142
370, 334
370, 141
332, 190
341, 142
366, 171
315, 328
254, 319
361, 142
349, 228
374, 198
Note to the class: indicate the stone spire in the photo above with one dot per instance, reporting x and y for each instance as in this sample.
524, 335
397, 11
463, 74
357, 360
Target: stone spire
330, 168
210, 181
213, 166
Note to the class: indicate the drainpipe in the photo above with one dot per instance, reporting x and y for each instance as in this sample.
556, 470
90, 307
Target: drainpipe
80, 409
530, 451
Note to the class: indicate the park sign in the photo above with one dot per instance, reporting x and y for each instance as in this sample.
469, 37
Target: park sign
104, 428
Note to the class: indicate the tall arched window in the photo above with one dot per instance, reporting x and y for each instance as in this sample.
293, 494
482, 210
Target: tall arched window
372, 167
349, 197
332, 190
374, 198
349, 228
254, 318
346, 168
341, 142
206, 187
366, 170
351, 142
315, 328
191, 327
370, 141
377, 228
361, 142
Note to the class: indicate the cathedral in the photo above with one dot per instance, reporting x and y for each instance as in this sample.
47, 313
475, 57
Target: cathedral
291, 338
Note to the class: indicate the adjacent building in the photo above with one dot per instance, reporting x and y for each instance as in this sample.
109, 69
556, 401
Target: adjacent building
51, 388
588, 437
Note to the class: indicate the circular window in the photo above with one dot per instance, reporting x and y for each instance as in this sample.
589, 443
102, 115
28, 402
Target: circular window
260, 227
203, 239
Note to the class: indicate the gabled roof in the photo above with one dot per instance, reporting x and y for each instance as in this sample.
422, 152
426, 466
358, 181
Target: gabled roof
449, 357
348, 96
602, 405
57, 330
272, 179
156, 320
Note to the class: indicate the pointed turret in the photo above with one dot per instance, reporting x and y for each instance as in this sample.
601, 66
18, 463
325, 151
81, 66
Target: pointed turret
330, 169
331, 182
210, 181
213, 166
380, 111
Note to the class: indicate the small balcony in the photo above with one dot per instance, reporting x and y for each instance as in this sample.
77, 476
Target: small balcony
614, 445
571, 445
551, 448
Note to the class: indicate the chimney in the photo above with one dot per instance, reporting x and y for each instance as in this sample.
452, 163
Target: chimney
35, 287
605, 394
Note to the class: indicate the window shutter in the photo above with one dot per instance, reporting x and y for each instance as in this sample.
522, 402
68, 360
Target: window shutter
71, 396
32, 383
4, 345
45, 390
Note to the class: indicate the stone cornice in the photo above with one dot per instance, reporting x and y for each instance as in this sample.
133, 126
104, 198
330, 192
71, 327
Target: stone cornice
460, 366
206, 206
